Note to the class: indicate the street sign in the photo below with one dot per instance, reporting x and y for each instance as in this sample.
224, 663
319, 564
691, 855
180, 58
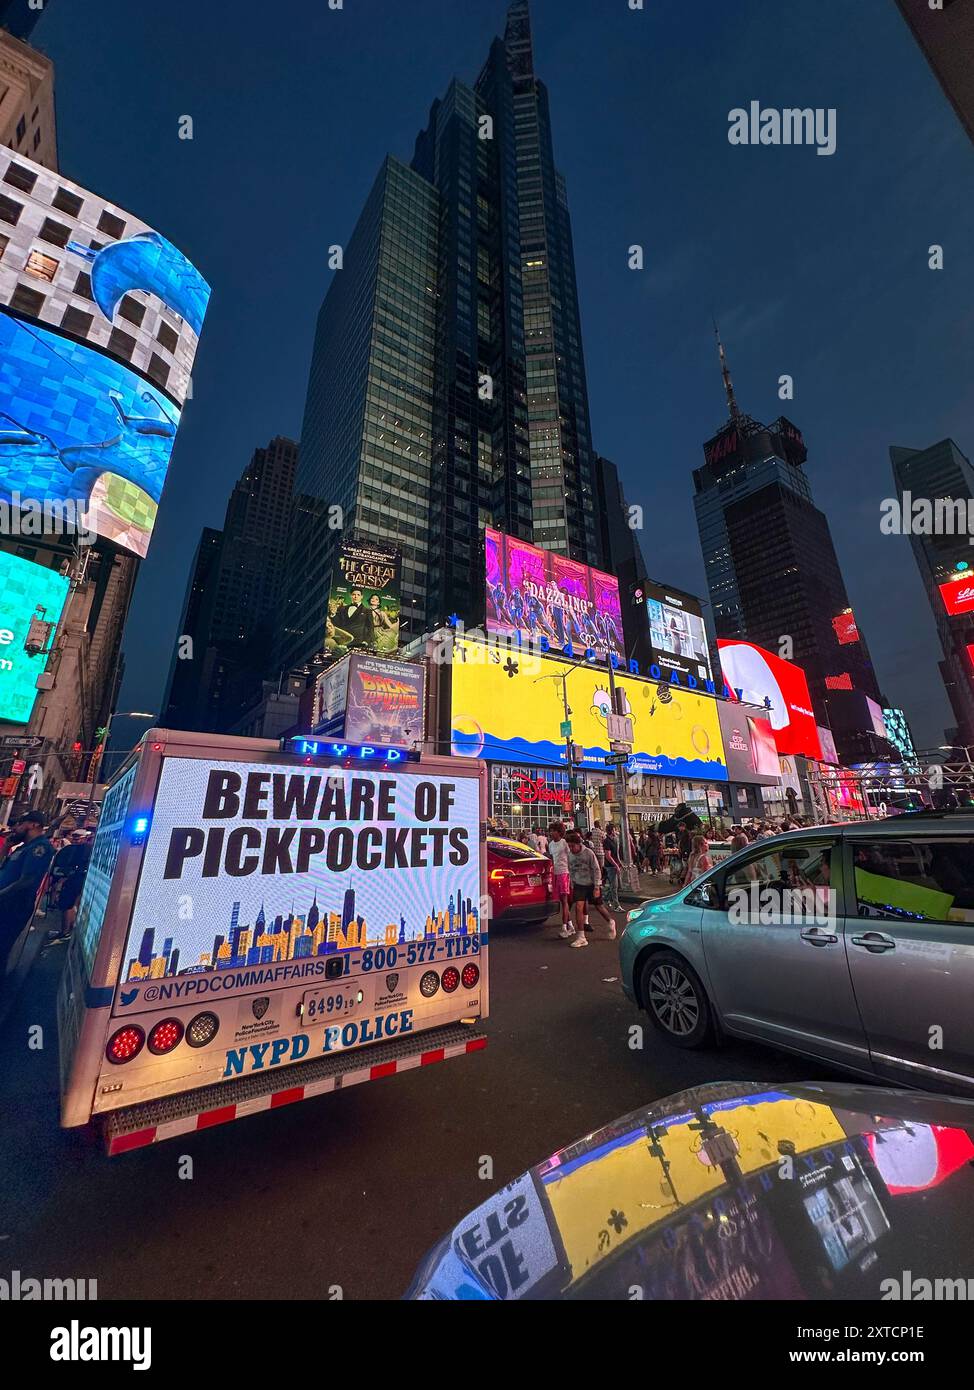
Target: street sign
618, 747
619, 728
26, 741
616, 759
18, 767
566, 728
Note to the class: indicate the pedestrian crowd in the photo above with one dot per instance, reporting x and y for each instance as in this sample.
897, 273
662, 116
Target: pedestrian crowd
42, 865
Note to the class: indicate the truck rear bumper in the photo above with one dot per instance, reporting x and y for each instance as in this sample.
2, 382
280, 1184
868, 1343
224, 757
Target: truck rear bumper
155, 1120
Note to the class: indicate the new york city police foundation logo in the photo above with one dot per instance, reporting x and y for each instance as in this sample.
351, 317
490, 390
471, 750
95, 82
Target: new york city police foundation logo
259, 1006
391, 982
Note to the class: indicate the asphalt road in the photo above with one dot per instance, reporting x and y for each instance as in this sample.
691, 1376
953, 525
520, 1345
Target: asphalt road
349, 1189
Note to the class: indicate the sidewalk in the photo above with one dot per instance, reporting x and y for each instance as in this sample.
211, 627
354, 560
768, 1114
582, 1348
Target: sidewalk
650, 886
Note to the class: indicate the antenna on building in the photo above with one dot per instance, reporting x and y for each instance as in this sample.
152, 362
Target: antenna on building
732, 405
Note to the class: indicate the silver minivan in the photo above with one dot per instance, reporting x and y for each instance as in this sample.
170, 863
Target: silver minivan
853, 944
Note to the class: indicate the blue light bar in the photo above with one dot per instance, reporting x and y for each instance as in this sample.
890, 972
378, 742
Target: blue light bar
350, 752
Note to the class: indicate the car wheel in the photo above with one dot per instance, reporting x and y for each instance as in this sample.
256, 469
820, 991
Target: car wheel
675, 1000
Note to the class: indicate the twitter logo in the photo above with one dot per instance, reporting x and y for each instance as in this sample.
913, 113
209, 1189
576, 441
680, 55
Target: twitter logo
129, 995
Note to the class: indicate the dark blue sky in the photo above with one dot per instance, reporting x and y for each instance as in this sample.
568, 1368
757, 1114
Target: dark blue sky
814, 266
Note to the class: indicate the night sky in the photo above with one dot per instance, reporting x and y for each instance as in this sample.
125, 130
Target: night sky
815, 266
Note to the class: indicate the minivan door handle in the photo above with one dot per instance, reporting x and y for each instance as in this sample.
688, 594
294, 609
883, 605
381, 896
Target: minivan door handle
874, 941
817, 937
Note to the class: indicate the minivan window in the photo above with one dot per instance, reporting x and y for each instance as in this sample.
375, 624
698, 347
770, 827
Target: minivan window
915, 880
785, 866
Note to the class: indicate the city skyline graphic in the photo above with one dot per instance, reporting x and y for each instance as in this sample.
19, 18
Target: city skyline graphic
295, 936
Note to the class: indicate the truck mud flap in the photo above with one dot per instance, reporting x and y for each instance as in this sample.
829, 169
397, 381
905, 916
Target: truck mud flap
155, 1120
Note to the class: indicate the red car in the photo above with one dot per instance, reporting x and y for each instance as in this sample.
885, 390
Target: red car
519, 881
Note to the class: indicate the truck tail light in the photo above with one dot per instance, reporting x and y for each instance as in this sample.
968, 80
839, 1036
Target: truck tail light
429, 984
202, 1029
470, 975
450, 979
125, 1044
165, 1036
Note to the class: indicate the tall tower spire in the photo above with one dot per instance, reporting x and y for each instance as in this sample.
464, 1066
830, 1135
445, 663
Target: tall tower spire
732, 405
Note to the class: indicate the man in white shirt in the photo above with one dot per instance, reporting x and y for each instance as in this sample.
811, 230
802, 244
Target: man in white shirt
558, 853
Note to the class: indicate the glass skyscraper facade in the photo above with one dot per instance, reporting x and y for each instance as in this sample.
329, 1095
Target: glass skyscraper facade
447, 385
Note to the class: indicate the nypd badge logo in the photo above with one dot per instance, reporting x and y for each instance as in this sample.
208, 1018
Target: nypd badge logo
259, 1006
391, 982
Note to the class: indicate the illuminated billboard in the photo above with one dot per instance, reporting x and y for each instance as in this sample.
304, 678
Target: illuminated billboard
76, 264
844, 624
508, 711
78, 427
780, 686
24, 587
363, 607
677, 634
898, 732
749, 744
385, 701
958, 593
535, 593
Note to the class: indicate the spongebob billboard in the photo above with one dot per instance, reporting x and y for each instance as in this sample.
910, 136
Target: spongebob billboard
508, 708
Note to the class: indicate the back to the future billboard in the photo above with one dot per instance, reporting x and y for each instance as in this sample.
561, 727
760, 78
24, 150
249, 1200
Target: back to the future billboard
99, 322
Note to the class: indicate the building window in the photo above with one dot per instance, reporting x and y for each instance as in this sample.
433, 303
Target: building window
121, 344
82, 285
44, 267
21, 128
37, 137
10, 211
68, 202
158, 370
110, 224
54, 232
27, 301
4, 243
168, 337
132, 310
76, 321
19, 177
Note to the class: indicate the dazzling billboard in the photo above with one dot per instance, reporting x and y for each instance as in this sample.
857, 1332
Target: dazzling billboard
363, 607
534, 593
749, 744
79, 428
507, 711
766, 679
677, 634
958, 593
385, 701
24, 587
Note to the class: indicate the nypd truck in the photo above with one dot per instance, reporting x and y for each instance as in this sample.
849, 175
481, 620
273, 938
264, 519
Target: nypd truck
259, 927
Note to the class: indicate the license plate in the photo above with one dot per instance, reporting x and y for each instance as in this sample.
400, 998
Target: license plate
323, 1005
534, 881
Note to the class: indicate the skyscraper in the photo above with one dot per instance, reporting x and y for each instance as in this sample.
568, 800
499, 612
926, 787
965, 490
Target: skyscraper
772, 571
942, 471
27, 117
447, 384
945, 33
232, 600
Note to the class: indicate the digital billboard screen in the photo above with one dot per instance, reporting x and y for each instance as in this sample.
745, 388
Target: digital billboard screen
534, 593
363, 607
958, 594
749, 744
844, 625
677, 634
780, 686
385, 701
505, 713
23, 587
80, 429
364, 866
